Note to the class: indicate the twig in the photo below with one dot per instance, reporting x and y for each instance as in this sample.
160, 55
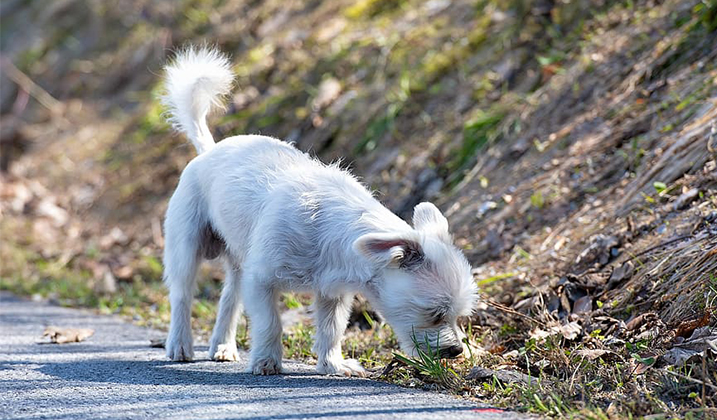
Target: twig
652, 248
13, 73
687, 378
504, 308
391, 366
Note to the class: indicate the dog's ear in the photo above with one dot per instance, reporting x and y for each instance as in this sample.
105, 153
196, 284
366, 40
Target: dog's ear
394, 250
427, 218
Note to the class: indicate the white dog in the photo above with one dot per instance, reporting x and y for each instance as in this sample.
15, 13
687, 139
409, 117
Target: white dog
284, 221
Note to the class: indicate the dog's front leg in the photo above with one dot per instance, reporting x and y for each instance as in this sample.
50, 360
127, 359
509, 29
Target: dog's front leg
260, 301
332, 314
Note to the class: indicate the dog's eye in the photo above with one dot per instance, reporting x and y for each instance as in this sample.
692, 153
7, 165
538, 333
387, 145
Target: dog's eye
436, 316
411, 259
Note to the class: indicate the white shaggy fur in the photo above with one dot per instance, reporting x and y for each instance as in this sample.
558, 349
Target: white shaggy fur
196, 82
284, 221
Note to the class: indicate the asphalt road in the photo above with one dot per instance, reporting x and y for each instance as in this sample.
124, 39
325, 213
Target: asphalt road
116, 374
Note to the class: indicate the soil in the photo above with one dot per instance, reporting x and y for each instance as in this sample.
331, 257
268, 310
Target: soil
572, 146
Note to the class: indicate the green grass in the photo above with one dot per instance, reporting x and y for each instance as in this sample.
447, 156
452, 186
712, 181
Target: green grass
478, 133
429, 363
298, 342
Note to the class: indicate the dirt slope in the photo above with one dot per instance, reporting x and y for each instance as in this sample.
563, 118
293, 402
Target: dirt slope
571, 145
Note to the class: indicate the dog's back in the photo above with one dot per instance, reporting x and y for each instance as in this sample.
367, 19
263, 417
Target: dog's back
251, 187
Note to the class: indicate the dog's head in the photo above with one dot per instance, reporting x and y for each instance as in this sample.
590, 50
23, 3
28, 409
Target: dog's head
424, 283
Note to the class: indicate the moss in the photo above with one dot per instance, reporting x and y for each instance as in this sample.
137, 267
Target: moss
478, 132
372, 8
706, 13
437, 63
377, 128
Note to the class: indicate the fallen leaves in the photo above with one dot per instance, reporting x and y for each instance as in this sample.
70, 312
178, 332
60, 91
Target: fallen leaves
686, 328
702, 343
592, 354
623, 272
569, 331
601, 249
59, 335
157, 343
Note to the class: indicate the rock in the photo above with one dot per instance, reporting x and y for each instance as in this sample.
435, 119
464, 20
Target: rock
107, 285
712, 217
621, 273
599, 251
485, 207
583, 305
685, 199
329, 90
58, 215
157, 343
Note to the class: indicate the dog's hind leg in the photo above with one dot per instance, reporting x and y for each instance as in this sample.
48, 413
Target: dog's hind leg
183, 228
223, 346
331, 317
260, 301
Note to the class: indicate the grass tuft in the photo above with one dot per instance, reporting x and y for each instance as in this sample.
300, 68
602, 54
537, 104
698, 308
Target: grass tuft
429, 363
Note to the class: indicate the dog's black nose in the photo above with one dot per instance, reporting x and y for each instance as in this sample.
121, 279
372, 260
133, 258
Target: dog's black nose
451, 352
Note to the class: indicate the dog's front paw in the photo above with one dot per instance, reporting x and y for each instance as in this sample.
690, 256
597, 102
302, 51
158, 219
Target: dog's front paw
344, 367
224, 353
180, 349
266, 366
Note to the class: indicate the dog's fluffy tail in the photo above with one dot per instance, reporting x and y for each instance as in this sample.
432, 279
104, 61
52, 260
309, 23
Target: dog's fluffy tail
195, 82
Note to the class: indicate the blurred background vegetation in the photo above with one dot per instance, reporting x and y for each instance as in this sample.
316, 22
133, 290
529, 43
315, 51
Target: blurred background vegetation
565, 140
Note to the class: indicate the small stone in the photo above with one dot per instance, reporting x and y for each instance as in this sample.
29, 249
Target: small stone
485, 208
685, 199
583, 305
505, 376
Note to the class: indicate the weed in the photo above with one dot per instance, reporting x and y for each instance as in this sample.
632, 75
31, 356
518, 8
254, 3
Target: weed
537, 200
378, 127
298, 342
706, 12
428, 362
478, 132
495, 278
659, 186
372, 8
291, 301
242, 336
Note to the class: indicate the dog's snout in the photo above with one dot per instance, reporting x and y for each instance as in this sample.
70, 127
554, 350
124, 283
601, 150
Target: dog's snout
451, 352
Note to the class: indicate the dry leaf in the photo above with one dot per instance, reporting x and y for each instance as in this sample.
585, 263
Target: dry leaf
639, 320
570, 331
701, 342
59, 335
157, 343
592, 354
688, 327
621, 273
